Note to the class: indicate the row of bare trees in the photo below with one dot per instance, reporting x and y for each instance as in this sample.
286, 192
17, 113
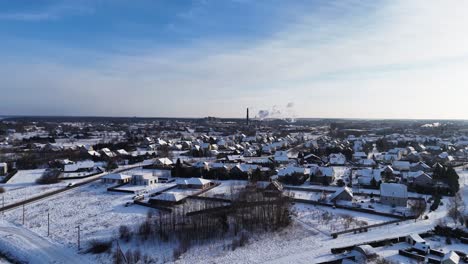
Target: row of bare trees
196, 222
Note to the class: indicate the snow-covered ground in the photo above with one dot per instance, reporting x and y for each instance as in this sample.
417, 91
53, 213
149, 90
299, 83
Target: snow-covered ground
98, 212
328, 220
26, 176
23, 186
26, 246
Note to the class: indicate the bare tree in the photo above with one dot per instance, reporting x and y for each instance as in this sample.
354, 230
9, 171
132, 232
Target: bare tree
418, 207
455, 208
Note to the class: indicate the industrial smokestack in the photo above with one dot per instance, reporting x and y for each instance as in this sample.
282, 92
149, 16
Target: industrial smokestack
247, 116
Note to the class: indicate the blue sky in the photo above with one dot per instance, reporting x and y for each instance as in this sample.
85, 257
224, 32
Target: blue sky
355, 59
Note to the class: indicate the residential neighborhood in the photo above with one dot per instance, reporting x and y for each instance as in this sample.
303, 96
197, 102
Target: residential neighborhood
346, 188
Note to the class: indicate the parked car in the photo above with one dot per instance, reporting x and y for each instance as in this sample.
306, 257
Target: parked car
71, 184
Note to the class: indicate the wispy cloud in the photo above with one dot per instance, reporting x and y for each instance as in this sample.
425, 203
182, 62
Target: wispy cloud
52, 12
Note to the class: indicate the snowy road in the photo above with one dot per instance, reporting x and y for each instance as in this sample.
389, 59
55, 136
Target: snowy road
25, 245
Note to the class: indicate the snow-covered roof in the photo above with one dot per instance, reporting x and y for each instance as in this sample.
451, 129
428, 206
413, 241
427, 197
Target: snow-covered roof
451, 256
291, 170
339, 191
170, 196
116, 176
164, 161
416, 238
122, 152
146, 176
194, 181
393, 190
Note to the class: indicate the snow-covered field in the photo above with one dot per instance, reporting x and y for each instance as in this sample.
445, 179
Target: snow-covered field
328, 220
23, 186
98, 212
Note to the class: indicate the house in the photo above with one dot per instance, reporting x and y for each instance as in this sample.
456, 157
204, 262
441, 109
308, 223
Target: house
393, 194
359, 155
420, 166
108, 153
337, 159
70, 166
145, 179
3, 169
365, 176
401, 165
281, 157
423, 180
290, 170
444, 157
367, 162
163, 162
117, 178
322, 175
194, 183
418, 243
274, 188
450, 258
344, 194
311, 158
364, 252
167, 199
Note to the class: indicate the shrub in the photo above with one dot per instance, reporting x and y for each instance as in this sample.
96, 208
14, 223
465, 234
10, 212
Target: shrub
98, 247
448, 241
2, 190
125, 233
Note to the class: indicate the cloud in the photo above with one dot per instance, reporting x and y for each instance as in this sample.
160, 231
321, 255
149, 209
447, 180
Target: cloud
51, 12
344, 59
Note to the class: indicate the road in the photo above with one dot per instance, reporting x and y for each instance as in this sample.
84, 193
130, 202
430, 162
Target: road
29, 246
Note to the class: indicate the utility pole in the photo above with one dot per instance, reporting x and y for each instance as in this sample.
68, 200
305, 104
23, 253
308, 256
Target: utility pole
78, 238
48, 223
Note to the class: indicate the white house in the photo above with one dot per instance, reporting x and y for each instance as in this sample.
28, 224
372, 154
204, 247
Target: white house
118, 178
145, 179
